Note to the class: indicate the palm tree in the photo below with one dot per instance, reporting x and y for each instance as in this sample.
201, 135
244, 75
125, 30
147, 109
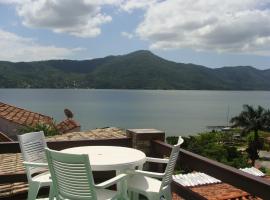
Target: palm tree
251, 119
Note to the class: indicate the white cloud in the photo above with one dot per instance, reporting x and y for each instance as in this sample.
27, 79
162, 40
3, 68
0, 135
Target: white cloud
127, 35
227, 26
16, 48
203, 25
130, 5
9, 1
81, 18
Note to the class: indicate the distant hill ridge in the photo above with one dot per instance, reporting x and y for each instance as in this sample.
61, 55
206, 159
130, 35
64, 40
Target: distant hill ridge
137, 70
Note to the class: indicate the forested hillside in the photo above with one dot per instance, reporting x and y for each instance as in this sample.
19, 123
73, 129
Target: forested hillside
137, 70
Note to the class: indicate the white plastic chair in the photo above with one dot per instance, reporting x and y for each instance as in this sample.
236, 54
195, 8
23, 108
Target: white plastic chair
72, 178
147, 183
33, 152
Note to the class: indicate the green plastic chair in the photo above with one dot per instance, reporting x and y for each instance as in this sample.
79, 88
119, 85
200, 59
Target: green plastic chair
73, 179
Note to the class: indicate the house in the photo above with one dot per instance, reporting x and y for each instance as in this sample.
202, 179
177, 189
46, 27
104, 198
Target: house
13, 119
68, 125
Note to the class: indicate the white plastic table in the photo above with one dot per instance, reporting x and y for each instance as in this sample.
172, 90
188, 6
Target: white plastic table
107, 158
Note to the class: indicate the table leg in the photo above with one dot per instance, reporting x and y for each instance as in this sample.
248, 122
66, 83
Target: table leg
134, 195
122, 187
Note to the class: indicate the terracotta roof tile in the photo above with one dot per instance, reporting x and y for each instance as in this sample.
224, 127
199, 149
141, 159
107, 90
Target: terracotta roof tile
215, 191
221, 191
103, 133
22, 116
8, 190
67, 125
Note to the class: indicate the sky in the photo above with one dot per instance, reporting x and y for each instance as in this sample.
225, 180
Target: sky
212, 33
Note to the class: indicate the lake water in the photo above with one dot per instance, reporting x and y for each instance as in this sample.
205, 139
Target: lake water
178, 112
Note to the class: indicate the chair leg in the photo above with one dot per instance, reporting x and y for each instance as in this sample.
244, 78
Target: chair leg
135, 196
130, 195
168, 194
51, 194
153, 196
33, 191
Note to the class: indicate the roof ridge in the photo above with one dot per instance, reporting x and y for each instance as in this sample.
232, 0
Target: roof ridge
21, 109
22, 116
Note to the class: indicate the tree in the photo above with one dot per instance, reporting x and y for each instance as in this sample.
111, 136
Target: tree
213, 145
251, 119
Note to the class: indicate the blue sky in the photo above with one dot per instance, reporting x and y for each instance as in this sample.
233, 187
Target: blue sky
190, 31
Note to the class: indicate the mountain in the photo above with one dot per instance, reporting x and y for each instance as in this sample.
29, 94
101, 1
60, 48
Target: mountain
138, 70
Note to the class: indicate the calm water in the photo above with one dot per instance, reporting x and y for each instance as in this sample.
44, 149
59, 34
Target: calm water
175, 112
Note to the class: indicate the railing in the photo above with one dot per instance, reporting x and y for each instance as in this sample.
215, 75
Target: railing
256, 186
253, 185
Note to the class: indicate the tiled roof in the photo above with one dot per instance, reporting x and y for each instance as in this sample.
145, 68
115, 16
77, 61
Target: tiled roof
67, 125
22, 116
198, 178
12, 163
4, 138
194, 179
102, 133
17, 188
214, 191
221, 191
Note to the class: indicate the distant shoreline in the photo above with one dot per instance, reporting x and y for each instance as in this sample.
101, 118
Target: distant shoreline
134, 89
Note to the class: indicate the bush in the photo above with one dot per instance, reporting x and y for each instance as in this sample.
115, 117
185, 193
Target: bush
49, 130
213, 145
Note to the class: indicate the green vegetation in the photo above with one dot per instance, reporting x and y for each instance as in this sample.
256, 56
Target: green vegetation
214, 145
238, 146
49, 130
251, 119
137, 70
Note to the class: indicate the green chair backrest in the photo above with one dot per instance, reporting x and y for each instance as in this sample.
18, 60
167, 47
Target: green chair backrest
71, 175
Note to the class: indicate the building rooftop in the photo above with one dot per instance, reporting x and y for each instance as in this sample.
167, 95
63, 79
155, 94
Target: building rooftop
99, 133
22, 116
214, 189
222, 191
67, 125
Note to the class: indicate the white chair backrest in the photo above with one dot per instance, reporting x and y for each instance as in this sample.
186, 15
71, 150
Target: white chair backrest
167, 178
71, 175
180, 140
33, 150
